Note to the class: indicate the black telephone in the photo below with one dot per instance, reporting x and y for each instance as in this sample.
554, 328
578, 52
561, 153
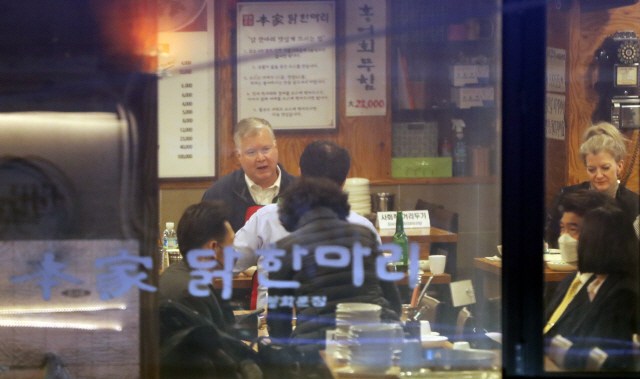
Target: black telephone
618, 60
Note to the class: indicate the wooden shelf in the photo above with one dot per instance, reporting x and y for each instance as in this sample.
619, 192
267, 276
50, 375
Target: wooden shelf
458, 180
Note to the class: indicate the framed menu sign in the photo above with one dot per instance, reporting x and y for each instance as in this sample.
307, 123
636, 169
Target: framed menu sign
186, 89
287, 64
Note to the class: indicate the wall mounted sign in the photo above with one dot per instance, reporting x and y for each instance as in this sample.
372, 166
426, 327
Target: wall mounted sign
366, 61
186, 89
287, 64
556, 62
554, 116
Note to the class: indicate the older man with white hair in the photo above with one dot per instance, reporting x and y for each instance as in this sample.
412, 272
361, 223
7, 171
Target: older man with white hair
261, 177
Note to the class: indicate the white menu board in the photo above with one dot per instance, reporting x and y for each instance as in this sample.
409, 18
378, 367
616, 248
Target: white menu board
186, 89
366, 62
287, 63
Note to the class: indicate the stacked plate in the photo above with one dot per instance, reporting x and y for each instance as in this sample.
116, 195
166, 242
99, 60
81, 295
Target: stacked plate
359, 195
353, 314
372, 346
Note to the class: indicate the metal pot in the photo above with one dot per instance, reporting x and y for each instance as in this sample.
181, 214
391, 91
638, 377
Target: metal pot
383, 202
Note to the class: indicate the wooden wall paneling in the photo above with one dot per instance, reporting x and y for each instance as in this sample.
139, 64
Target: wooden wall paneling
225, 40
556, 150
588, 30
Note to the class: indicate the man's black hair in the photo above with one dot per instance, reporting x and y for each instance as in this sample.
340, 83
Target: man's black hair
325, 159
582, 201
307, 193
201, 223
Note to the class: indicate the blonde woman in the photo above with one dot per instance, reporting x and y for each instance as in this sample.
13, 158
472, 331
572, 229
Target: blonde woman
603, 152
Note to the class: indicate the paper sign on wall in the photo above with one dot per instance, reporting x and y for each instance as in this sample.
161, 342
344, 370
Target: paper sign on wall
287, 63
366, 61
554, 116
411, 219
556, 62
186, 90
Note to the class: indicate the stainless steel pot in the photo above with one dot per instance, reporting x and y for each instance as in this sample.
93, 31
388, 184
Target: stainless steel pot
383, 202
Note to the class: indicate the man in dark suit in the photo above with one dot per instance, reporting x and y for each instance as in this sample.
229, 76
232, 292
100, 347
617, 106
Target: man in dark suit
202, 226
571, 297
261, 177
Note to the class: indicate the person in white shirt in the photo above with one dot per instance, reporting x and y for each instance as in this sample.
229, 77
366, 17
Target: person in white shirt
320, 159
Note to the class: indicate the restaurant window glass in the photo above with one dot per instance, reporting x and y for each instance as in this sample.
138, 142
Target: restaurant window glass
591, 184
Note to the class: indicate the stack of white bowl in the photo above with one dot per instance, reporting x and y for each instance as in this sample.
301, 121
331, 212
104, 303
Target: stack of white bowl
350, 314
359, 195
372, 346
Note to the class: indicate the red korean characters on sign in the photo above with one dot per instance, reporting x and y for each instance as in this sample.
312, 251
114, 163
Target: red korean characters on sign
247, 20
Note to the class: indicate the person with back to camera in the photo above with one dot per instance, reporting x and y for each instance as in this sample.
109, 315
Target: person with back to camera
320, 159
603, 153
608, 248
261, 177
203, 225
314, 210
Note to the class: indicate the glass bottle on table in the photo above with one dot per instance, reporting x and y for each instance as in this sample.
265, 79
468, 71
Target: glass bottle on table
401, 239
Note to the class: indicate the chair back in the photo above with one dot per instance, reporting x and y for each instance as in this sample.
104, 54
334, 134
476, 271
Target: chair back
430, 307
446, 220
464, 318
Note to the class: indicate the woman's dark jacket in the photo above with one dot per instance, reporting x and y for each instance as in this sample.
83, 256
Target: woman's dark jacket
608, 323
321, 227
626, 199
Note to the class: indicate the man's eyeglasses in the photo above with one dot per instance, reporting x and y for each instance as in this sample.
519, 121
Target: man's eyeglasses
253, 153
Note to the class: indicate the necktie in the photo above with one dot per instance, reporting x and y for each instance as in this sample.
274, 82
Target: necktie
568, 297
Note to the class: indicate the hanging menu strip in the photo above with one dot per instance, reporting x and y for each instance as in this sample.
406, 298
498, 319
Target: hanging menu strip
366, 62
186, 89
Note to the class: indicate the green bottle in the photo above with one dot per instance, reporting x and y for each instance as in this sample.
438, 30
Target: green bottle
401, 239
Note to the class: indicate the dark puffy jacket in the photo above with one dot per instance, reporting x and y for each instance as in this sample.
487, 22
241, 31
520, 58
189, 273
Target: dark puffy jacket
321, 227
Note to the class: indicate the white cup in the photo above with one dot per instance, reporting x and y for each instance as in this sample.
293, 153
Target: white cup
436, 264
425, 328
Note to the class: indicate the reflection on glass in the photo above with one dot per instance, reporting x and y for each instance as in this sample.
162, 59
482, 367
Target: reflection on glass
591, 263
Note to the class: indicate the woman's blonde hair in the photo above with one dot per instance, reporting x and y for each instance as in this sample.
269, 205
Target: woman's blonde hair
604, 137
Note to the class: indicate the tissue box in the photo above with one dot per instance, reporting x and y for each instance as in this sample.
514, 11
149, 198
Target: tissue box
421, 167
468, 97
414, 139
461, 75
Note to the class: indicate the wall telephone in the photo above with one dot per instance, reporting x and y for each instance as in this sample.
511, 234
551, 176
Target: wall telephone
618, 61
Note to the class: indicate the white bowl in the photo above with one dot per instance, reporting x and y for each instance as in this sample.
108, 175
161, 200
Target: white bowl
424, 265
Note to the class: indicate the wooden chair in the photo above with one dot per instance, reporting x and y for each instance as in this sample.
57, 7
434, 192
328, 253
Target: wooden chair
464, 322
433, 310
446, 220
430, 311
